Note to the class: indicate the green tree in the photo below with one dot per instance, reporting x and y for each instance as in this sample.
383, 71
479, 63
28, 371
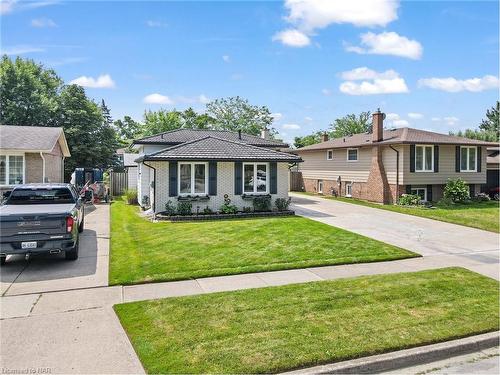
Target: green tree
28, 93
489, 129
106, 113
307, 140
91, 140
236, 113
128, 129
193, 120
351, 124
161, 121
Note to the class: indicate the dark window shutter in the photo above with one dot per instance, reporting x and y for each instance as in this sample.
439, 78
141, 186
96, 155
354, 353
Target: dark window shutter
429, 193
479, 159
436, 159
212, 178
273, 171
412, 158
238, 183
471, 190
457, 158
408, 189
172, 174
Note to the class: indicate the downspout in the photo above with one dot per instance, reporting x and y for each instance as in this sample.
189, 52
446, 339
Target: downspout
397, 172
62, 168
43, 167
154, 187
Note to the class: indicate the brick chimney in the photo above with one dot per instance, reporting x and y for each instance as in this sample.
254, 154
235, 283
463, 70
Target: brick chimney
378, 126
264, 133
378, 188
324, 137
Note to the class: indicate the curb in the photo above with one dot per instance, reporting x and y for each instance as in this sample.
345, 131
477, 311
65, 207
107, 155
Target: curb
407, 357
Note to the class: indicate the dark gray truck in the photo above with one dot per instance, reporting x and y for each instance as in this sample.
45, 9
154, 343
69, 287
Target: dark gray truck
41, 218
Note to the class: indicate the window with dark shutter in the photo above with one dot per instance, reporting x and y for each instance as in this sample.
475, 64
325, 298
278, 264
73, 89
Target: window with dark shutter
429, 193
172, 173
457, 158
436, 159
273, 169
412, 158
479, 159
212, 178
238, 182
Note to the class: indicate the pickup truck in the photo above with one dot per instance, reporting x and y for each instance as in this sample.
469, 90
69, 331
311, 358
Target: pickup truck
41, 218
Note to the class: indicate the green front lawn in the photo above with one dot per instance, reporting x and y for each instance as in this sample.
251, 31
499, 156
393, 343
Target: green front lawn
142, 251
281, 328
481, 215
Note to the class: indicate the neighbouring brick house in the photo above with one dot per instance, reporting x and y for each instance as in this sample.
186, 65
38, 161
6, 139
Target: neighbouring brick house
31, 154
378, 166
205, 166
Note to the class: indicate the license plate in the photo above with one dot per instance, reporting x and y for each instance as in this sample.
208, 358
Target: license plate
28, 245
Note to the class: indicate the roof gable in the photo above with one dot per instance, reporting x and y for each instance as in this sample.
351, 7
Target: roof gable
32, 138
214, 148
185, 135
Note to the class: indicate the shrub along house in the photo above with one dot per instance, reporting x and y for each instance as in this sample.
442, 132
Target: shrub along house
383, 164
207, 166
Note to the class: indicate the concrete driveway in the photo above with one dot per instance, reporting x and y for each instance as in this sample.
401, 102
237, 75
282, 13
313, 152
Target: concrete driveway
447, 244
43, 273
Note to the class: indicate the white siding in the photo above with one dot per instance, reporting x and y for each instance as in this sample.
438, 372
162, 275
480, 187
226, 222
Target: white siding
225, 185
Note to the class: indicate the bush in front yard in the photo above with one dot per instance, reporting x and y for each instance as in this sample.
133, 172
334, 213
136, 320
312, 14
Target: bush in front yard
282, 203
457, 190
227, 207
409, 200
131, 196
170, 208
262, 203
184, 208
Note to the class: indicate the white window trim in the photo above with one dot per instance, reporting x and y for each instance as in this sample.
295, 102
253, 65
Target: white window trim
475, 161
328, 153
320, 182
7, 168
255, 178
357, 155
192, 178
423, 159
350, 187
416, 192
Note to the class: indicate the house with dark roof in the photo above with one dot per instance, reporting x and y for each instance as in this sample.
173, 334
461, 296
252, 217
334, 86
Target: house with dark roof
209, 166
31, 154
381, 165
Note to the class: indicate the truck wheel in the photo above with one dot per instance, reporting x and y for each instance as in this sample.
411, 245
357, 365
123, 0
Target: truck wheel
2, 260
73, 253
80, 227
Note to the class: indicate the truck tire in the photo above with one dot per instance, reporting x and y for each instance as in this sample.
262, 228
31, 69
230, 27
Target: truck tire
80, 227
2, 260
73, 253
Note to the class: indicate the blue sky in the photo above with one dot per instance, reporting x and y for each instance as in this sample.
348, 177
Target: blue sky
429, 64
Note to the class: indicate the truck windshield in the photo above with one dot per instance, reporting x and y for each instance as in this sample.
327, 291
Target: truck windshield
43, 196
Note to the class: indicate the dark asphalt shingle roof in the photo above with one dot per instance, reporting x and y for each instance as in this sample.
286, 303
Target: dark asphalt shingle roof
31, 138
186, 135
396, 136
213, 148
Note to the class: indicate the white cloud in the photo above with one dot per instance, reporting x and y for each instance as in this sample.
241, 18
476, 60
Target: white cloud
276, 116
366, 73
226, 58
326, 92
451, 84
373, 82
387, 43
43, 22
415, 115
203, 99
400, 123
308, 119
291, 126
157, 99
292, 38
436, 119
10, 6
316, 14
451, 120
20, 50
154, 23
307, 16
104, 81
392, 116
